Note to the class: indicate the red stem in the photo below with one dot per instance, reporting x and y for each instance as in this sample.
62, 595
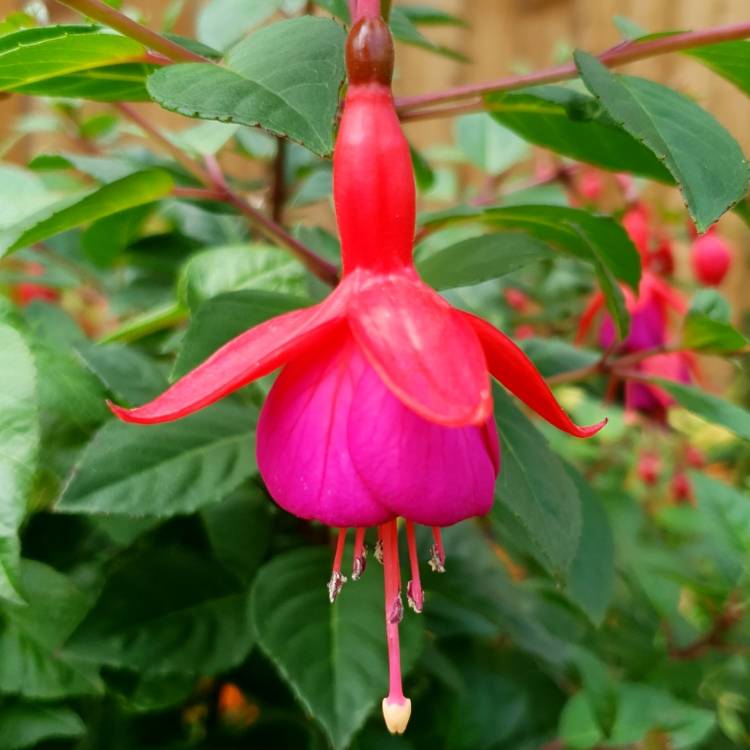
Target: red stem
618, 55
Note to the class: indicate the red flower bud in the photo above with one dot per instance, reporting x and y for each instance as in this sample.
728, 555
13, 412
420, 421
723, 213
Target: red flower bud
649, 468
710, 257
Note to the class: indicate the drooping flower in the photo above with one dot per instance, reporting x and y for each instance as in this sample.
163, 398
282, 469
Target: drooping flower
711, 258
383, 408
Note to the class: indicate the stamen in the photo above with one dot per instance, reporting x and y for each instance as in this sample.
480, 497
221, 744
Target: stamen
437, 553
378, 553
360, 555
414, 593
337, 581
396, 707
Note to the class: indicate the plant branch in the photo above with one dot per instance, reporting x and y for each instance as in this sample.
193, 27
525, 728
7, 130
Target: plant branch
729, 615
278, 188
216, 188
619, 55
108, 16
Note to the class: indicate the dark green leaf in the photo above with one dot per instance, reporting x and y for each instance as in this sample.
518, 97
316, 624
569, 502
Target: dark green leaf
284, 78
135, 190
536, 488
573, 124
164, 611
702, 156
592, 573
487, 144
163, 470
32, 635
478, 259
25, 725
19, 446
553, 356
707, 327
404, 30
225, 316
332, 656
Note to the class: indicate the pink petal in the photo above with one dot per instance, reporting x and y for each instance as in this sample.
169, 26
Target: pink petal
245, 358
421, 347
428, 473
517, 373
303, 438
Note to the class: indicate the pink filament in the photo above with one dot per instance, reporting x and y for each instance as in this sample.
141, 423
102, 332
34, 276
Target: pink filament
340, 542
389, 536
415, 584
364, 9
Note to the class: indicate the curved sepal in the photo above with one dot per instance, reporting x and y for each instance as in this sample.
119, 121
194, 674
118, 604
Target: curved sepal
245, 358
424, 351
594, 306
513, 369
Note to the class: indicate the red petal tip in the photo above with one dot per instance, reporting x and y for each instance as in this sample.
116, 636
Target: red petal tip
126, 415
591, 430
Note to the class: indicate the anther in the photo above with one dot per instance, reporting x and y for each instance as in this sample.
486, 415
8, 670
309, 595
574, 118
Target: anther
378, 553
437, 553
337, 581
396, 612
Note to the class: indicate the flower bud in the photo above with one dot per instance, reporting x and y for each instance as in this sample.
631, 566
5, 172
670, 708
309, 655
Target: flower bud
649, 468
710, 258
396, 714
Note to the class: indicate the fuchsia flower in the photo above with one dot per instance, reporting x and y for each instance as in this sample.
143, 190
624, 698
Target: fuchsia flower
383, 407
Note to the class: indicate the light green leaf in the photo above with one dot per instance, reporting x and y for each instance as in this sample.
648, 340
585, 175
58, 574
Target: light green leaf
404, 30
702, 156
487, 144
707, 328
70, 61
333, 657
163, 470
546, 502
481, 258
19, 446
574, 125
134, 190
284, 78
235, 267
25, 725
222, 23
22, 194
711, 408
731, 60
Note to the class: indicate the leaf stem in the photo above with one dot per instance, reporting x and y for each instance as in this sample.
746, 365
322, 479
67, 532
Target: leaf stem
619, 55
108, 16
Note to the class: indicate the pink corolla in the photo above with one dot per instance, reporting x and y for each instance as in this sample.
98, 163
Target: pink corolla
650, 313
383, 408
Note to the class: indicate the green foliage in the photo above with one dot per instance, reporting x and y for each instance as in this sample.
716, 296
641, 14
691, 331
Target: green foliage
153, 596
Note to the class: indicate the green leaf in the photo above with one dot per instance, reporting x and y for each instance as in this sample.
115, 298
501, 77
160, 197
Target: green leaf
163, 470
707, 328
481, 258
731, 60
535, 487
592, 573
333, 657
225, 316
404, 30
574, 125
702, 156
22, 194
70, 61
128, 374
32, 660
234, 267
487, 144
424, 175
222, 23
579, 728
711, 408
554, 356
166, 610
729, 506
19, 446
134, 190
25, 725
284, 78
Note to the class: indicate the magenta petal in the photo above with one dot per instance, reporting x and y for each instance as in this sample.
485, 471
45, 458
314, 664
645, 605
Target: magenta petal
425, 472
303, 439
422, 348
245, 358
